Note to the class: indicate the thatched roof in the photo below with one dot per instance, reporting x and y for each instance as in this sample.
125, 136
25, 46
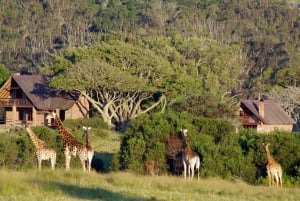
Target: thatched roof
42, 96
273, 113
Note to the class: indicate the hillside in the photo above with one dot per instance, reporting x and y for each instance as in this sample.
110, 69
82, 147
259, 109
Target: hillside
34, 32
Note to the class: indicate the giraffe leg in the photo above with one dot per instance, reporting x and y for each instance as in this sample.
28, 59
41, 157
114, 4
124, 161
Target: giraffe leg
68, 160
188, 170
184, 169
40, 163
280, 176
198, 167
269, 177
276, 175
280, 180
272, 179
83, 165
90, 158
53, 161
193, 171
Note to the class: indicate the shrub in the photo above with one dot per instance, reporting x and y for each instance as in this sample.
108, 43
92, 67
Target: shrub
223, 152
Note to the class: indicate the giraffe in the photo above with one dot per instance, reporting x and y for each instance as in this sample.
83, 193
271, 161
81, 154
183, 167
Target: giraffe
71, 146
90, 151
190, 159
42, 152
274, 169
150, 167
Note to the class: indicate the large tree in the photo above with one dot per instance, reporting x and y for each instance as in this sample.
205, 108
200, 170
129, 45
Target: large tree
124, 78
121, 79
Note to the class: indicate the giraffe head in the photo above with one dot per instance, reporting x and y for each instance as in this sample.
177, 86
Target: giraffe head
266, 144
51, 115
184, 138
26, 125
184, 132
86, 128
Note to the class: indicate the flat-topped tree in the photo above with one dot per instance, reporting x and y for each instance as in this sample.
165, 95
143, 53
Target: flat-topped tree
121, 80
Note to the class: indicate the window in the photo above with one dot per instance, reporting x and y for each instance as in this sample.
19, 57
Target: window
25, 114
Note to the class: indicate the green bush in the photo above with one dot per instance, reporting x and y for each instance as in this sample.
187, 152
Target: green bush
223, 152
16, 152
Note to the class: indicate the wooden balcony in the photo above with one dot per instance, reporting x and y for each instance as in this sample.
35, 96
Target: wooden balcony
248, 121
9, 102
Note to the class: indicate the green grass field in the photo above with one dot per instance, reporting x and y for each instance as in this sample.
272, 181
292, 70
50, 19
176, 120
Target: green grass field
75, 185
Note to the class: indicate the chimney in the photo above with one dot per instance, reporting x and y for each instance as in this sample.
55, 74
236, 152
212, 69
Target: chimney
261, 108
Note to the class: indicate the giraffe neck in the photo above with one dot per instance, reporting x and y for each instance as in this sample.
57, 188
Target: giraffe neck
187, 149
269, 156
87, 138
65, 134
38, 143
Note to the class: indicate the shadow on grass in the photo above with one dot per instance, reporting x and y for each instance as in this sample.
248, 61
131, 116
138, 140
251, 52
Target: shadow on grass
89, 193
102, 161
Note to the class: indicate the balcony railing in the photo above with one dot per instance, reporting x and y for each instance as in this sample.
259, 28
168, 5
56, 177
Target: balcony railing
247, 120
9, 102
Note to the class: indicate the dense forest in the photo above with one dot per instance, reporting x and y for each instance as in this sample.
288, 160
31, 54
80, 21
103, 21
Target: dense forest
250, 47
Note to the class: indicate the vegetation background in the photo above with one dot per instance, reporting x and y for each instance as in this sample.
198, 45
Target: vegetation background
162, 65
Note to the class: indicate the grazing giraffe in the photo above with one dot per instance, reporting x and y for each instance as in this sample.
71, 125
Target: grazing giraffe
190, 159
42, 152
274, 169
89, 148
71, 146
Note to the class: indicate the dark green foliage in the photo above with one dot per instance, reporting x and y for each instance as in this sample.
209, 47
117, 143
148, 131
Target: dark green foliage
75, 126
223, 152
4, 74
16, 152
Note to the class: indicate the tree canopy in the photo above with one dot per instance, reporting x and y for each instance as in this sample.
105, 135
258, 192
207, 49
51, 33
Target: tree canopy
124, 78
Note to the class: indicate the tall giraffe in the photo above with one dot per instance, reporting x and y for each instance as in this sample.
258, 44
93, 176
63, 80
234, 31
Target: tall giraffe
42, 152
89, 148
190, 159
274, 169
71, 146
